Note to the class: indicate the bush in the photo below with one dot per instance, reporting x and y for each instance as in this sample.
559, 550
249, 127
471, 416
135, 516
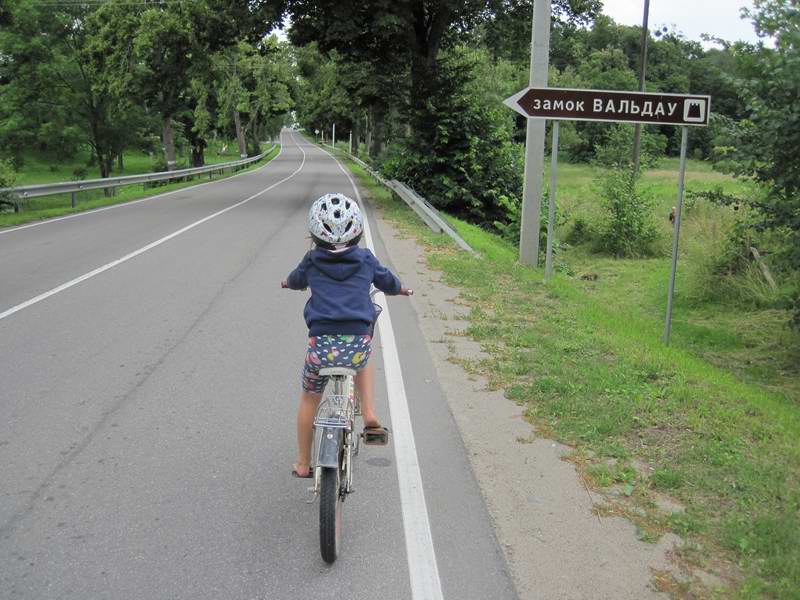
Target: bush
628, 229
617, 151
722, 267
460, 155
7, 178
158, 163
580, 233
509, 229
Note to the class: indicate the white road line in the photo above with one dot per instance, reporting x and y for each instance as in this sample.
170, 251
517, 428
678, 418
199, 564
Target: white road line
422, 568
142, 250
132, 202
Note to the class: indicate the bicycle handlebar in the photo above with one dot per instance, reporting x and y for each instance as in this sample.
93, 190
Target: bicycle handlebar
403, 290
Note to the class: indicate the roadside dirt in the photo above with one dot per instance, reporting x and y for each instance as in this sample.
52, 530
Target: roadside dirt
556, 546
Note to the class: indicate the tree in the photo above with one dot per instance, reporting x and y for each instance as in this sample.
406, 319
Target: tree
764, 146
229, 66
272, 74
465, 163
506, 29
56, 95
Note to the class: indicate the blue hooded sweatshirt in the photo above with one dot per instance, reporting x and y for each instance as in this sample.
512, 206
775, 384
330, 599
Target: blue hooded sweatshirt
340, 285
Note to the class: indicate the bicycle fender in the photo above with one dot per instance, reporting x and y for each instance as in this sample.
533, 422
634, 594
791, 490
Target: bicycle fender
330, 447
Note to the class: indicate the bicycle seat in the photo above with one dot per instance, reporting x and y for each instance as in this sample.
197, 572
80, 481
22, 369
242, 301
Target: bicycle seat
337, 371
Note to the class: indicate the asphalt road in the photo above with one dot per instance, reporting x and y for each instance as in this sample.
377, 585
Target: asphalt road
147, 405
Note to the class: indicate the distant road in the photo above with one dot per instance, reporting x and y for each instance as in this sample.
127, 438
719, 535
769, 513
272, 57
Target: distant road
149, 374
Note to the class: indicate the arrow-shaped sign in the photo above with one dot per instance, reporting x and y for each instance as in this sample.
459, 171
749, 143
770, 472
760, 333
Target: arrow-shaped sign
607, 105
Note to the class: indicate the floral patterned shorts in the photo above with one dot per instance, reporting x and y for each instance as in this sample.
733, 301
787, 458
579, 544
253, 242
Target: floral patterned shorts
350, 351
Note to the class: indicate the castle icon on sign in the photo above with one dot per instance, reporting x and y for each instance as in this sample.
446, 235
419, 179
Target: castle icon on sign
694, 110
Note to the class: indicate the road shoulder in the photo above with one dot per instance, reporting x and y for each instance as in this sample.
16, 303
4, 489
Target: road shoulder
554, 543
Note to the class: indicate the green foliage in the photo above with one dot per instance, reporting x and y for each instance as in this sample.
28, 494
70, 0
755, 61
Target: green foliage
723, 268
463, 160
617, 151
110, 75
7, 178
322, 90
627, 229
764, 146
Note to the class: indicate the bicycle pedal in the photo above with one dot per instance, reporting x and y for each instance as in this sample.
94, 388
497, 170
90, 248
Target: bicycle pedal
375, 436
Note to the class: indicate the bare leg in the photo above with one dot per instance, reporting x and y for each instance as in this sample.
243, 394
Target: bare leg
365, 384
305, 430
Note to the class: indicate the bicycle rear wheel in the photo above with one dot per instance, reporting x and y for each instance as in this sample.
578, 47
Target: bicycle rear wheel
330, 514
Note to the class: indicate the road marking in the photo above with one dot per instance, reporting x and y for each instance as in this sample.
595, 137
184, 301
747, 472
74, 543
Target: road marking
422, 568
142, 250
132, 202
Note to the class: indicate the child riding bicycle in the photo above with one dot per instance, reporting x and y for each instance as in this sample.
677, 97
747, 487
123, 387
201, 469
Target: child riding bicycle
339, 314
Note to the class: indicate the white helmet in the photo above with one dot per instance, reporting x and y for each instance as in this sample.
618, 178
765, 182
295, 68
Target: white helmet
335, 219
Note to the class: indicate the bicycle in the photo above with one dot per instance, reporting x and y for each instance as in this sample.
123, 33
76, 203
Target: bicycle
335, 444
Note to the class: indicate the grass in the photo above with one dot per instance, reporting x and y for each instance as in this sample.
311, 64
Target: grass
42, 169
742, 330
60, 204
578, 191
686, 422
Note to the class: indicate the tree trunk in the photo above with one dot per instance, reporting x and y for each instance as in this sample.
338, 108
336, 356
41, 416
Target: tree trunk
378, 117
198, 154
120, 163
240, 134
253, 131
356, 130
106, 164
169, 143
368, 135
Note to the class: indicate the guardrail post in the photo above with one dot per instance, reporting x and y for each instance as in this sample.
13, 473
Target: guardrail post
73, 199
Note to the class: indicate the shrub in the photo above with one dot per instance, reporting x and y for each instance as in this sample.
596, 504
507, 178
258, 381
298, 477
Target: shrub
509, 229
460, 155
580, 233
628, 230
617, 151
7, 178
723, 269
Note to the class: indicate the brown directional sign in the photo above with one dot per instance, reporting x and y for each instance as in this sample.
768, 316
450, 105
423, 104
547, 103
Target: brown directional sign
606, 105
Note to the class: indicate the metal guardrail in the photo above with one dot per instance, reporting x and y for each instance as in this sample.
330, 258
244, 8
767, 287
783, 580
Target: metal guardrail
417, 203
73, 187
429, 214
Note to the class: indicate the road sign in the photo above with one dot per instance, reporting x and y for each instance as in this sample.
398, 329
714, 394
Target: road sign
606, 105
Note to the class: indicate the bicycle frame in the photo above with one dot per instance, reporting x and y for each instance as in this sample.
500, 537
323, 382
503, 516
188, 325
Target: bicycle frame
334, 428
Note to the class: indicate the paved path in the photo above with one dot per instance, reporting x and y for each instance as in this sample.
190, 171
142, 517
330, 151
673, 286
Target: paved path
148, 384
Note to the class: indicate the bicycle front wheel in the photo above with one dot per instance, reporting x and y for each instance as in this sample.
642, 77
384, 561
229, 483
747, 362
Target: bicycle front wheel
330, 514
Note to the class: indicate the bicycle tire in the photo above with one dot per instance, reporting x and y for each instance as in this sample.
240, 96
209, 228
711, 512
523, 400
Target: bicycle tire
330, 514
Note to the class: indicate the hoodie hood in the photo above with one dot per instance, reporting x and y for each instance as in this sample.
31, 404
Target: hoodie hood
337, 265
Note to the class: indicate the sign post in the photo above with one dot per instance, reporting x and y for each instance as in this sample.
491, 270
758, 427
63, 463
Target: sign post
679, 207
534, 139
637, 131
551, 203
333, 137
539, 103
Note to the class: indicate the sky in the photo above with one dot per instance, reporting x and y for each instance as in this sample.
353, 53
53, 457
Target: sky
720, 18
